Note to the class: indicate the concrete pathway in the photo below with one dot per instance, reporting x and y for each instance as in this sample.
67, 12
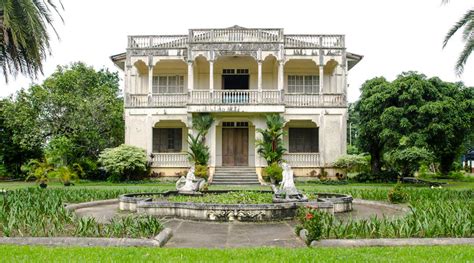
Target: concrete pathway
194, 234
198, 234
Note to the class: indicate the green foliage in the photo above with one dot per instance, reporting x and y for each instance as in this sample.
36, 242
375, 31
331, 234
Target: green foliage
237, 197
35, 212
67, 175
381, 177
353, 163
270, 147
273, 173
124, 162
434, 213
414, 111
408, 160
24, 41
312, 220
39, 170
397, 195
59, 150
76, 102
198, 150
201, 171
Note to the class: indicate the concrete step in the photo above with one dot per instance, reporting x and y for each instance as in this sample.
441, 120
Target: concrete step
236, 183
234, 180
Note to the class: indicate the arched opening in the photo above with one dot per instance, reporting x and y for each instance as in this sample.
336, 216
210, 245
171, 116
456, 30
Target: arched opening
302, 76
302, 136
169, 77
169, 136
235, 73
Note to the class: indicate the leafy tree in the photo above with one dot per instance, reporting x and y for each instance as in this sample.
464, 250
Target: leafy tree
466, 23
270, 147
414, 113
408, 160
374, 99
124, 162
76, 103
24, 37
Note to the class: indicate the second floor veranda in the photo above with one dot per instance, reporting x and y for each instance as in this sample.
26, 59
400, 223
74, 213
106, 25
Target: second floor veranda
236, 80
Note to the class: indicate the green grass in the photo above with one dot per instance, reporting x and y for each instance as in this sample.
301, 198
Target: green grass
12, 253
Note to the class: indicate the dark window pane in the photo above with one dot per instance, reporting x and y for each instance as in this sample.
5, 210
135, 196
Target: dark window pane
303, 140
167, 140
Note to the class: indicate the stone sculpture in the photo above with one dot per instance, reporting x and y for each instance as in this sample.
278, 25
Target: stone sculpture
287, 191
190, 184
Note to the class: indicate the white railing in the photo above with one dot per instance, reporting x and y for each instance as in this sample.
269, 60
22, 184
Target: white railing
170, 160
314, 41
171, 99
158, 42
235, 97
302, 159
314, 100
236, 35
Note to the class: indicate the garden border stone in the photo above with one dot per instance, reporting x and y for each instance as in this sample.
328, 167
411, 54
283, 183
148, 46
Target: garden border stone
381, 204
392, 242
157, 241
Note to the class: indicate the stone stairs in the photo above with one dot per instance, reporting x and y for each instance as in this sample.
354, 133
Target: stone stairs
237, 175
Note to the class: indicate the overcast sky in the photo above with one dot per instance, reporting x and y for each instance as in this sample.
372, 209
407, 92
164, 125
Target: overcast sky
393, 36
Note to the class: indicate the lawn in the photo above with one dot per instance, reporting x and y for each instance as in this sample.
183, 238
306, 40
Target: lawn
12, 253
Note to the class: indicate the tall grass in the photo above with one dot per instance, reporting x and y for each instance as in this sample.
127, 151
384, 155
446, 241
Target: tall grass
433, 213
39, 212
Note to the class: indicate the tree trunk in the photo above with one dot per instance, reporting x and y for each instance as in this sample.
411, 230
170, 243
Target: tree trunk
375, 161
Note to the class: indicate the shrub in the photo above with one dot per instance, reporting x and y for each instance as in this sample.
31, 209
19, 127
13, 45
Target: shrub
91, 169
311, 219
382, 177
201, 171
397, 195
124, 162
408, 160
273, 173
353, 163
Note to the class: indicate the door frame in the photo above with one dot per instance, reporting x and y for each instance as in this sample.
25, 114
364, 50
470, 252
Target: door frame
235, 125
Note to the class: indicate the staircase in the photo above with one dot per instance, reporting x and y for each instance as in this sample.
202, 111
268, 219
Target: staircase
238, 175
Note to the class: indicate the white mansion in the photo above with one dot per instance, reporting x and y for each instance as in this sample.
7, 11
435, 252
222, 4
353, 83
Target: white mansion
238, 75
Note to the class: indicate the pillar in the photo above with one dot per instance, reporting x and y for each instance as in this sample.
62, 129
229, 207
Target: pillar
190, 76
259, 83
211, 76
281, 76
321, 79
150, 79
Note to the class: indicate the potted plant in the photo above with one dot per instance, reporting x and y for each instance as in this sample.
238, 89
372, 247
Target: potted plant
40, 170
66, 175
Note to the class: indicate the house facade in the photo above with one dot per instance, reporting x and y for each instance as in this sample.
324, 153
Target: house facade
238, 75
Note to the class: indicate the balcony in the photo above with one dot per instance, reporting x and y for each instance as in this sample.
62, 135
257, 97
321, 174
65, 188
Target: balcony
234, 98
237, 35
302, 159
170, 160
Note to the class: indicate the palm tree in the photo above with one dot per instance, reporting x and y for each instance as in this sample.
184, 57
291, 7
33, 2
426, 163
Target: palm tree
270, 147
24, 38
467, 23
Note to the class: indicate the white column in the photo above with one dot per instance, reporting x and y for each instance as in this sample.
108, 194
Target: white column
322, 138
211, 76
190, 76
150, 80
321, 79
281, 76
259, 83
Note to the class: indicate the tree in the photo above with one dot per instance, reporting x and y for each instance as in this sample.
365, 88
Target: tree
375, 97
76, 102
417, 116
24, 37
467, 23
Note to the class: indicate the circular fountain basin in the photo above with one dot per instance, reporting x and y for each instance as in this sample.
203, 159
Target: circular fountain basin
143, 203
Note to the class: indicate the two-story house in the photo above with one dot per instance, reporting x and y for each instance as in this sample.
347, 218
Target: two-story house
238, 75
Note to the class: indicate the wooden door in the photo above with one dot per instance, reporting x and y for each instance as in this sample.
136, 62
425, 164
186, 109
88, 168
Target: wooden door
235, 147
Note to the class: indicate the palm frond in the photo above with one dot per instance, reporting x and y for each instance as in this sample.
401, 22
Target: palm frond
462, 59
461, 22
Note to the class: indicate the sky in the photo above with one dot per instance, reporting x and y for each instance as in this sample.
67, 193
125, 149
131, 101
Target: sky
393, 35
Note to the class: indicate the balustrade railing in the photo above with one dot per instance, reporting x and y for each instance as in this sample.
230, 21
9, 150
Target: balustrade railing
170, 160
235, 97
239, 35
158, 42
314, 41
302, 159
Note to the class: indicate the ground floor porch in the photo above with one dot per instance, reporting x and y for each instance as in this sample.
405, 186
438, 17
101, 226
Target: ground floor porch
314, 140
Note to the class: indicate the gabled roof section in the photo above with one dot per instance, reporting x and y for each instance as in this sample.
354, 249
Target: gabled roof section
353, 59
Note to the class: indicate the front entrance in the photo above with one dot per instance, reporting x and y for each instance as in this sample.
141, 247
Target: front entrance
235, 148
